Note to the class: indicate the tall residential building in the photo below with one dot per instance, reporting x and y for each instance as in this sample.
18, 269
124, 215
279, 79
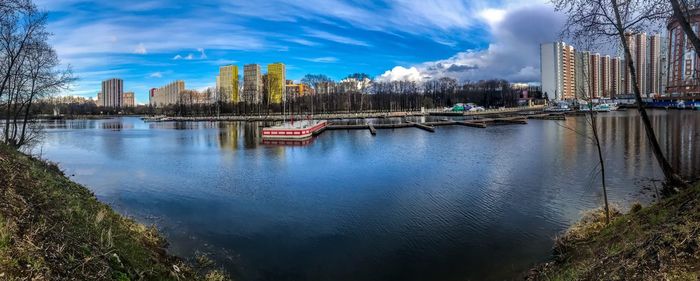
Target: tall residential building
168, 94
151, 96
276, 78
654, 66
100, 99
616, 67
228, 83
594, 77
637, 43
129, 100
112, 91
683, 60
558, 70
605, 76
583, 70
252, 83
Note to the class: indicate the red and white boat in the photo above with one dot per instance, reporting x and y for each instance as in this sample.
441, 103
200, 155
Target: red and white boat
294, 131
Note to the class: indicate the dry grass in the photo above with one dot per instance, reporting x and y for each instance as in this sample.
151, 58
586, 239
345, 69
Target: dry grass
54, 229
659, 242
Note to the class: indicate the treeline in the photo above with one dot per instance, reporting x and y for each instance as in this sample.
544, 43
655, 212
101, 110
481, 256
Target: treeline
377, 96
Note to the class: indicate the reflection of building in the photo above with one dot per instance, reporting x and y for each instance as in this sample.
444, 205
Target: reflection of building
558, 70
682, 58
252, 83
112, 91
129, 100
276, 77
228, 83
168, 94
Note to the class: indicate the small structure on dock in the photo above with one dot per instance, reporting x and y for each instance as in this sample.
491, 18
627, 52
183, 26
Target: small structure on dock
299, 130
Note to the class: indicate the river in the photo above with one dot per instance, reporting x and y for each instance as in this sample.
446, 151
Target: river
458, 204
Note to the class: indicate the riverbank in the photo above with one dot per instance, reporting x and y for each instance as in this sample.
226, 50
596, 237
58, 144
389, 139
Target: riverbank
658, 242
52, 228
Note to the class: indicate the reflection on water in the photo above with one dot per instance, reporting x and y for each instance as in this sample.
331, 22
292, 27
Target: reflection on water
460, 203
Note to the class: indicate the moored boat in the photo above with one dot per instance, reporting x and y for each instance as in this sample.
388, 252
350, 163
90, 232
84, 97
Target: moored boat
299, 130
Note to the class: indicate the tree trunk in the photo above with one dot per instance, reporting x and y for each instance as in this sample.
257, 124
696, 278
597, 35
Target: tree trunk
672, 178
685, 25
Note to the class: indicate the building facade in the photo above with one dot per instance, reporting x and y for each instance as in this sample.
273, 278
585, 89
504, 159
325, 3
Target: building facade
129, 100
276, 82
558, 69
168, 94
637, 43
228, 83
616, 70
112, 93
682, 78
252, 83
654, 66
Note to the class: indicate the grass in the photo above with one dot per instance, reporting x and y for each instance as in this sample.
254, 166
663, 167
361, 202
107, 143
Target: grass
659, 242
54, 229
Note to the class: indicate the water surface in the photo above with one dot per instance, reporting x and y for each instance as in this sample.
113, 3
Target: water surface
458, 204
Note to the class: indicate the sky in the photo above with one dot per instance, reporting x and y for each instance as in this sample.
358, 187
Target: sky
150, 43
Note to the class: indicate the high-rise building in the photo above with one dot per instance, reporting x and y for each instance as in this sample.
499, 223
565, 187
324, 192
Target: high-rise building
558, 71
583, 69
683, 60
252, 83
228, 83
129, 100
112, 91
276, 78
616, 68
637, 43
100, 99
151, 96
594, 77
168, 94
605, 76
654, 66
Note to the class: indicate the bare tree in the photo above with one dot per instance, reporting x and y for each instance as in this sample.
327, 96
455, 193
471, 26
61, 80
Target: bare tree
600, 20
28, 68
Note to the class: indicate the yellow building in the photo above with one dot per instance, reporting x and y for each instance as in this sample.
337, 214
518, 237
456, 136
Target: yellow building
276, 79
228, 83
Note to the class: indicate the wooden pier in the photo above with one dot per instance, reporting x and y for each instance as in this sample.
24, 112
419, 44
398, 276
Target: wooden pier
430, 126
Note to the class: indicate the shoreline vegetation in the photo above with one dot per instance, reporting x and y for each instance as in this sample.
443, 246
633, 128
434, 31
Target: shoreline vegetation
52, 228
657, 242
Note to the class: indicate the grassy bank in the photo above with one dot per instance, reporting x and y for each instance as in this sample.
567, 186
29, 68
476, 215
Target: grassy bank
54, 229
659, 242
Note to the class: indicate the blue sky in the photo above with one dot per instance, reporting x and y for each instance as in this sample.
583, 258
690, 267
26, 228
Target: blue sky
149, 43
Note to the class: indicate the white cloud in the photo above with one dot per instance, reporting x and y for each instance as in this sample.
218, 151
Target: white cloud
189, 56
202, 55
140, 49
513, 53
156, 75
335, 38
401, 73
322, 59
